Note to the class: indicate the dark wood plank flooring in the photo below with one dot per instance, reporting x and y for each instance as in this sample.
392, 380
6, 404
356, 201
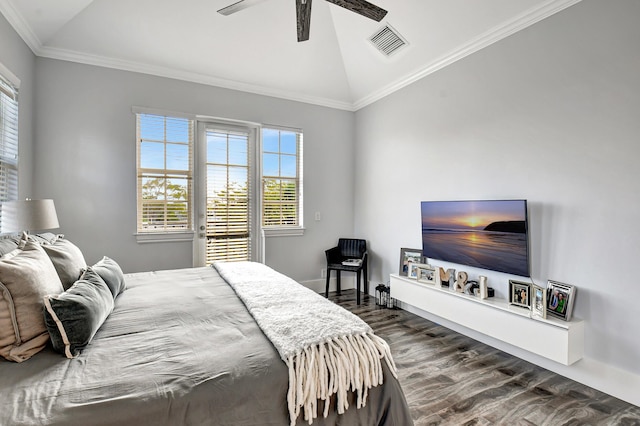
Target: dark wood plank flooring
451, 379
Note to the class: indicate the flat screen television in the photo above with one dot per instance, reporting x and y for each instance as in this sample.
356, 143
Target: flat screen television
487, 234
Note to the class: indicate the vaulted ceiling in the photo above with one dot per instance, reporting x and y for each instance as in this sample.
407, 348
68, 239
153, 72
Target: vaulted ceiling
256, 49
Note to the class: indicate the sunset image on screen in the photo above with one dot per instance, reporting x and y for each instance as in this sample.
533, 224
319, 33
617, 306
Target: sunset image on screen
485, 234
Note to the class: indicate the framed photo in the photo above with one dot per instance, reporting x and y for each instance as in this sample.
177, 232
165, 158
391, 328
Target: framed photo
539, 301
408, 256
414, 269
520, 294
560, 299
426, 274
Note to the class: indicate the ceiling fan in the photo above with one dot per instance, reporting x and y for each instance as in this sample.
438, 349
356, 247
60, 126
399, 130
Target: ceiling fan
303, 11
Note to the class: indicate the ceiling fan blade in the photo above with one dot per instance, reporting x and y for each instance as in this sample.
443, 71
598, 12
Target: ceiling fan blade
238, 6
362, 7
303, 13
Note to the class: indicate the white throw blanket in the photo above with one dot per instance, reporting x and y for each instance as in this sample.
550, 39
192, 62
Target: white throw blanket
328, 349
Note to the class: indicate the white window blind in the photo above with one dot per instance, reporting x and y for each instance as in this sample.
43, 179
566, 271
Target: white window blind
281, 178
165, 173
8, 141
228, 195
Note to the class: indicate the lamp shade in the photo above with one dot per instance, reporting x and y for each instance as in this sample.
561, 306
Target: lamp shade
28, 215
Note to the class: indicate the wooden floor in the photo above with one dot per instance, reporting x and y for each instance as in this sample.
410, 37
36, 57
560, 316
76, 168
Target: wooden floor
451, 379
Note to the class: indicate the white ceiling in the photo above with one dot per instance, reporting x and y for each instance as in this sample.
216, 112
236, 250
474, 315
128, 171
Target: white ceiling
256, 49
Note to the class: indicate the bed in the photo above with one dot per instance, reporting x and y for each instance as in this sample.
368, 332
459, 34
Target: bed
179, 348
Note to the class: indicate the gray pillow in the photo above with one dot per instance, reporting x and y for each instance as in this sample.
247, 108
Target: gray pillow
67, 259
73, 317
24, 280
111, 273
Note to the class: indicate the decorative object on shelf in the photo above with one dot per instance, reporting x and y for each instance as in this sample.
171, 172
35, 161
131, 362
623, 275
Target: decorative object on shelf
426, 274
448, 277
471, 287
519, 294
413, 269
483, 287
408, 256
461, 281
383, 297
539, 301
560, 299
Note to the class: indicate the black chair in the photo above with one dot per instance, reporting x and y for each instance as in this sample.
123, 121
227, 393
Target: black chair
348, 248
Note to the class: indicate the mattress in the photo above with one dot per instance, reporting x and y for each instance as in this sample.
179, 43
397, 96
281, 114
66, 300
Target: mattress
179, 348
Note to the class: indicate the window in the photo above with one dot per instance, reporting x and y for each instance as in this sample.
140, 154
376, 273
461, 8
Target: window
165, 173
281, 178
8, 141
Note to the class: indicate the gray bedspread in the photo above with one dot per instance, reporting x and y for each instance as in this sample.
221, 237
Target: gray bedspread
179, 349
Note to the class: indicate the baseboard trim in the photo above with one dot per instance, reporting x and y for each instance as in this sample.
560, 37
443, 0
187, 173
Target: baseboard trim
346, 283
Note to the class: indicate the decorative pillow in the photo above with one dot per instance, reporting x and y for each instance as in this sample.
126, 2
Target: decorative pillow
67, 259
7, 245
74, 317
11, 254
24, 280
45, 237
111, 273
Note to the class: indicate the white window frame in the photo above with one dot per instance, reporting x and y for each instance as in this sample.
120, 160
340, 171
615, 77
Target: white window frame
284, 230
178, 235
263, 231
9, 140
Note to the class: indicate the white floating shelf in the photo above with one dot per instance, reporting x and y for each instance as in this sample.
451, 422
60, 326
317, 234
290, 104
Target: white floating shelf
560, 341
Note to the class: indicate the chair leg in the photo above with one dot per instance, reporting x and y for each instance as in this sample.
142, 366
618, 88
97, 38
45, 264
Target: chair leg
366, 280
358, 287
326, 289
338, 281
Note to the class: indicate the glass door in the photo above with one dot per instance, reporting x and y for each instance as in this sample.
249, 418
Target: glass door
225, 194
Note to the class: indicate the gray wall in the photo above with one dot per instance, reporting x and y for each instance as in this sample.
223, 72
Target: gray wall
550, 114
85, 160
16, 56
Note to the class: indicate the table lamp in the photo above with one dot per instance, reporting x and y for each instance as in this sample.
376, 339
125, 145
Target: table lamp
27, 215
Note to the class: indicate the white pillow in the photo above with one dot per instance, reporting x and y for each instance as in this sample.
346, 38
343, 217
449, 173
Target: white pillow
24, 281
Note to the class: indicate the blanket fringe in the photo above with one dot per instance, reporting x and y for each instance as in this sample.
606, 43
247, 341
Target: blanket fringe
335, 367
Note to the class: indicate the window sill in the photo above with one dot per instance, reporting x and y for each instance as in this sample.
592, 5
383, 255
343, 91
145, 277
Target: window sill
294, 231
165, 237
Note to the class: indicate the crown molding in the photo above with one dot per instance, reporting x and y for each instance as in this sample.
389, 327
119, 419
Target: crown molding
133, 66
486, 39
20, 25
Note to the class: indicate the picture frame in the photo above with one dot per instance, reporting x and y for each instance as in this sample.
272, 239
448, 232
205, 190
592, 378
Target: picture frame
520, 294
560, 299
414, 269
426, 274
407, 256
538, 301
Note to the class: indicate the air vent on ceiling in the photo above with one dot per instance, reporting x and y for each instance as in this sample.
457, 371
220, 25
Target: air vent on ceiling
387, 40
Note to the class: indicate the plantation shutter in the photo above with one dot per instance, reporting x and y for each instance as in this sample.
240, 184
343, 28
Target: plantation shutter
281, 178
8, 141
165, 173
